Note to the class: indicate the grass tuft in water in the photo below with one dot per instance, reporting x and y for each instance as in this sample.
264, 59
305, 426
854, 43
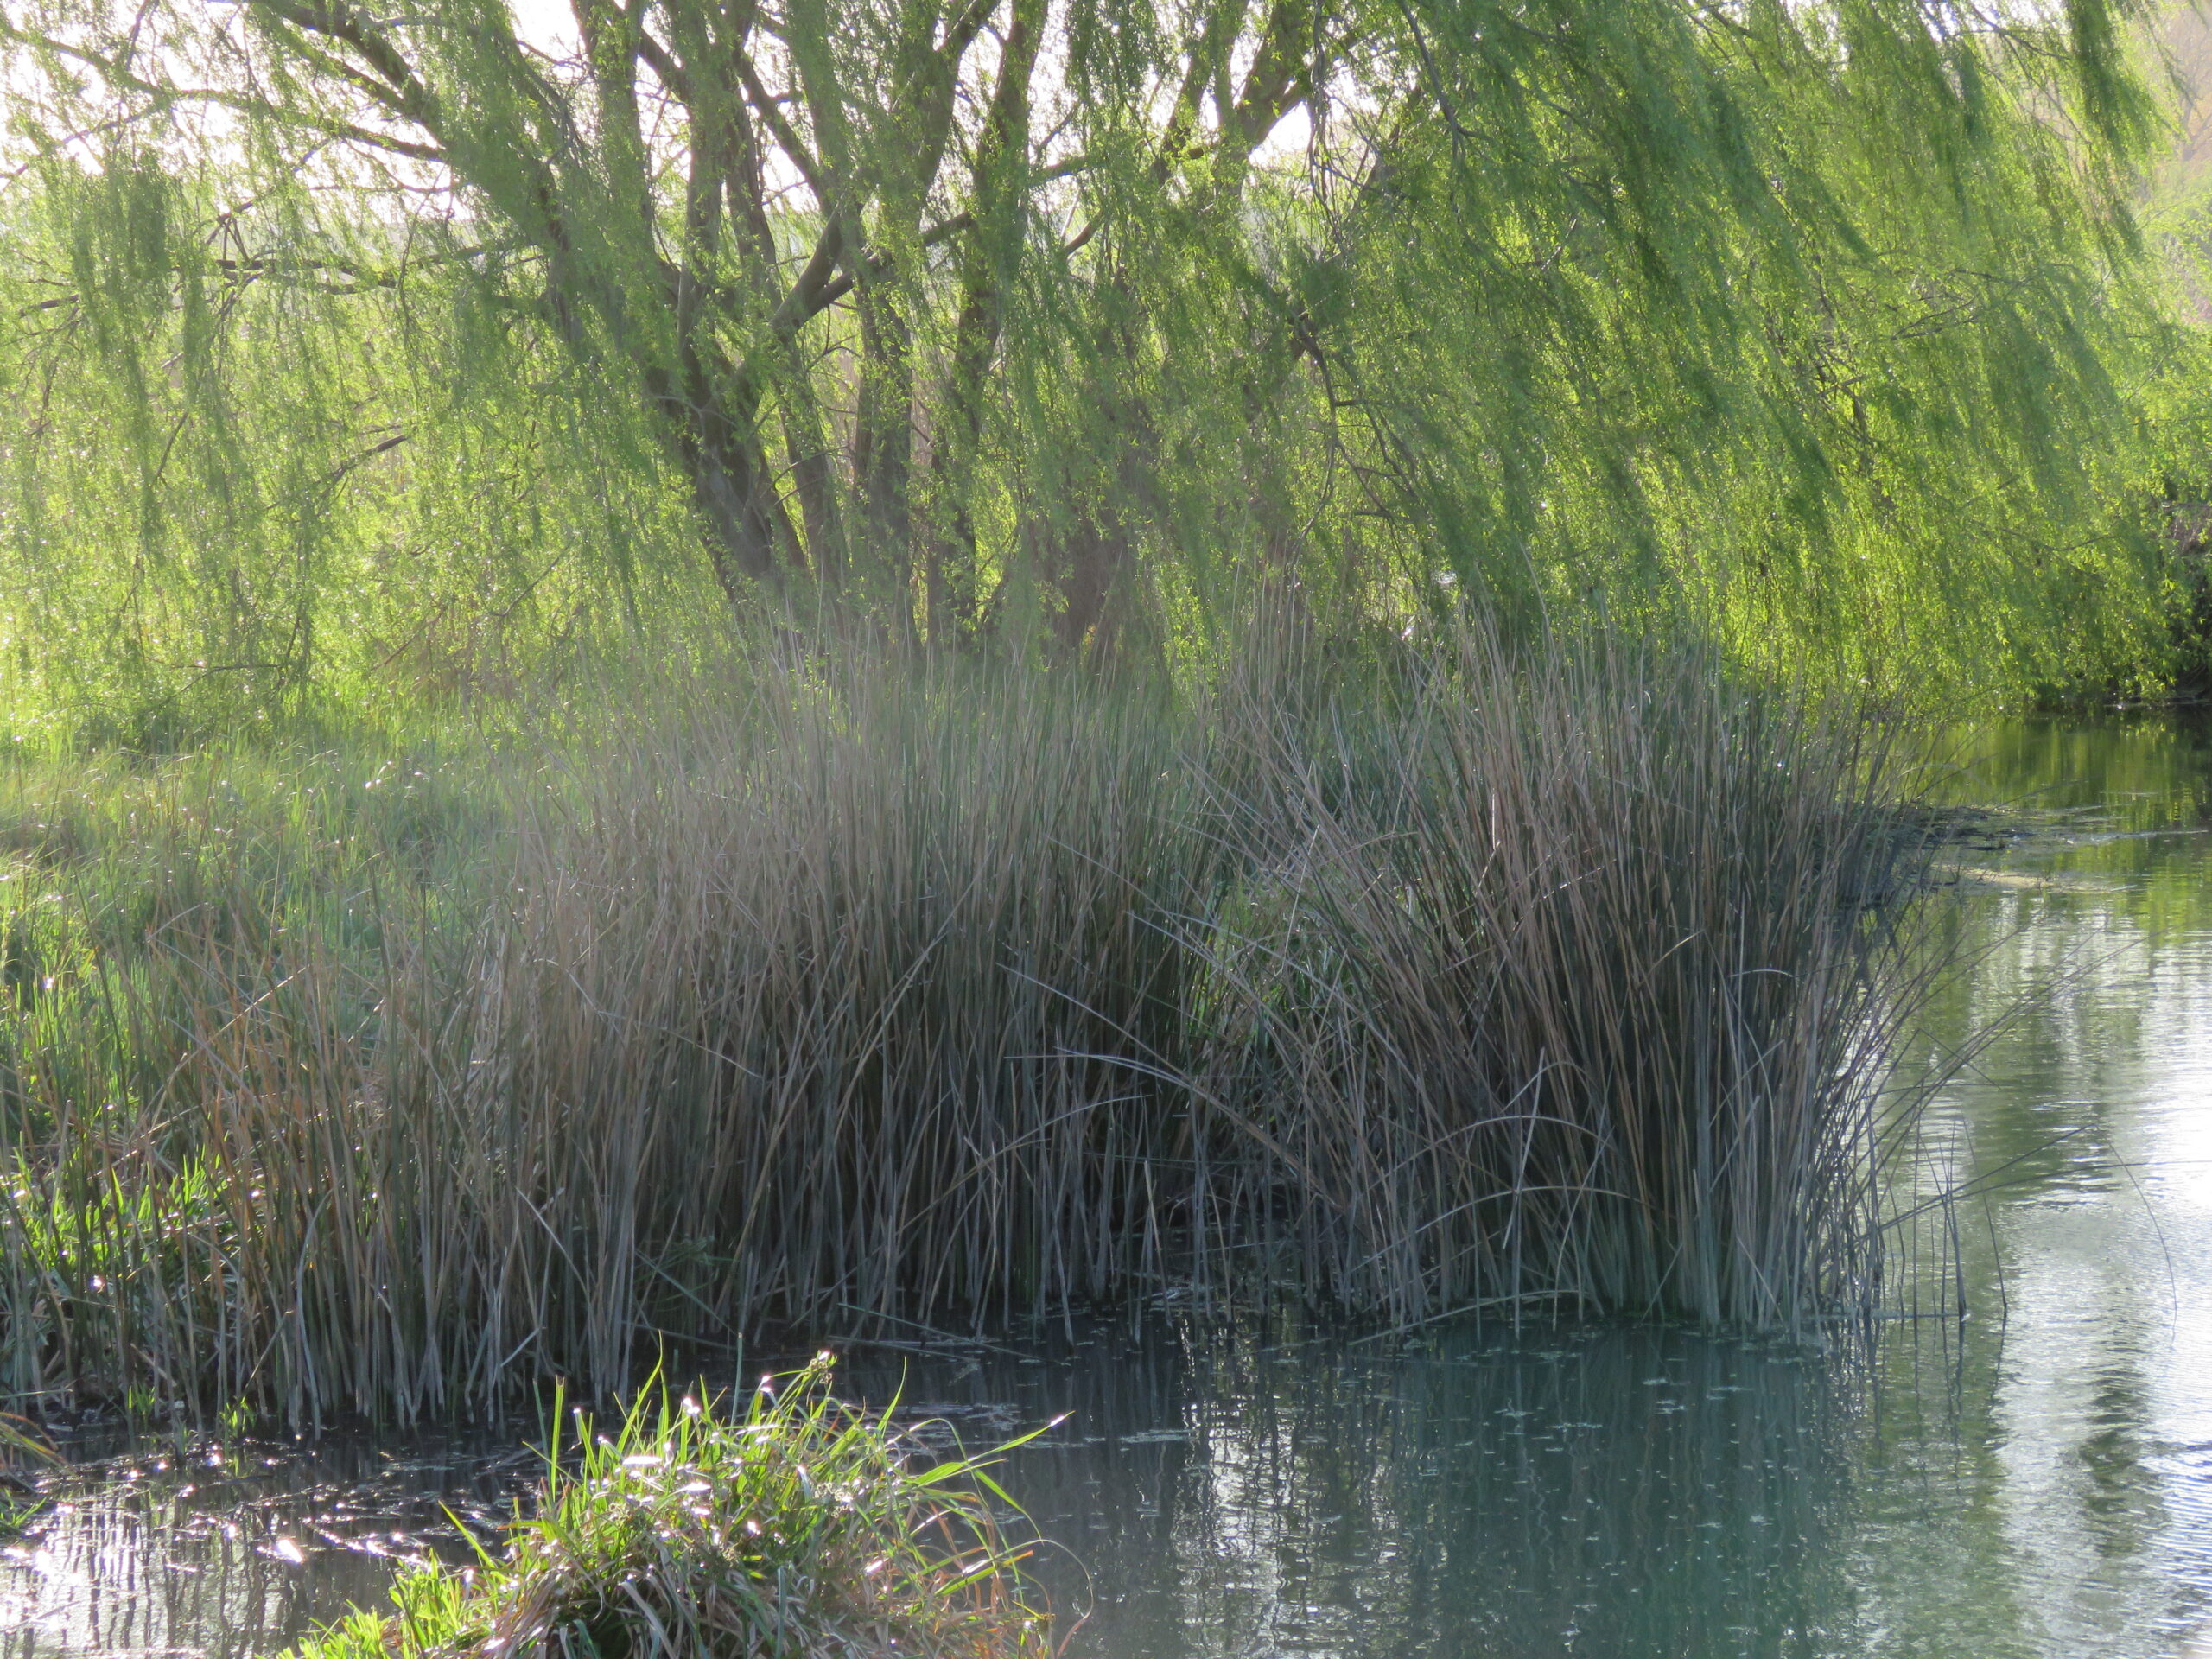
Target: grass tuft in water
796, 1528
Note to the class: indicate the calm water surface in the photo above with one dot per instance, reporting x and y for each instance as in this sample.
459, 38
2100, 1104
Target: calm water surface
2036, 1481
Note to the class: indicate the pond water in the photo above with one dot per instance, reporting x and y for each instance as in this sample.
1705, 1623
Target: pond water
2036, 1480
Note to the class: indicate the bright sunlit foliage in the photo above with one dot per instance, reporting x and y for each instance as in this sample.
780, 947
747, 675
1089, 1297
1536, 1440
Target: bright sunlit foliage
349, 355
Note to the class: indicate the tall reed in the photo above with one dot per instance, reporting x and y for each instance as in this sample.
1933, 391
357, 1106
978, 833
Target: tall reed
1554, 981
832, 991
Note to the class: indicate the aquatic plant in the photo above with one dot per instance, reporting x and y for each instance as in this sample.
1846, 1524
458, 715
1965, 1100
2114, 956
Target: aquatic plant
837, 990
795, 1527
1551, 983
20, 1442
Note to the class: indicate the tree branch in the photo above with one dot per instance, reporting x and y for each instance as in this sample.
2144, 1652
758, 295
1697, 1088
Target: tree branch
164, 94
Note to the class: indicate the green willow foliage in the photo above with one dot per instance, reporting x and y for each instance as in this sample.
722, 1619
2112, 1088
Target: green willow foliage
346, 349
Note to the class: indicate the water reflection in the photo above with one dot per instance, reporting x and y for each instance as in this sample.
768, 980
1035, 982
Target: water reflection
2036, 1482
2086, 1415
192, 1550
1601, 1491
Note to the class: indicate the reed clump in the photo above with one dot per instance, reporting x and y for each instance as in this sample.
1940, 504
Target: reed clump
836, 991
795, 1528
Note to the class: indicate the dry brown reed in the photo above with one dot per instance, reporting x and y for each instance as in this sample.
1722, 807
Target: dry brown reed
828, 992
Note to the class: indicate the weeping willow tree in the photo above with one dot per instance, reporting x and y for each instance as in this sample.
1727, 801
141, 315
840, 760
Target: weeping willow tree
338, 342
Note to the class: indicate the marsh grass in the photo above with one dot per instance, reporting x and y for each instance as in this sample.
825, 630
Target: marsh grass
1561, 983
833, 989
796, 1527
22, 1448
